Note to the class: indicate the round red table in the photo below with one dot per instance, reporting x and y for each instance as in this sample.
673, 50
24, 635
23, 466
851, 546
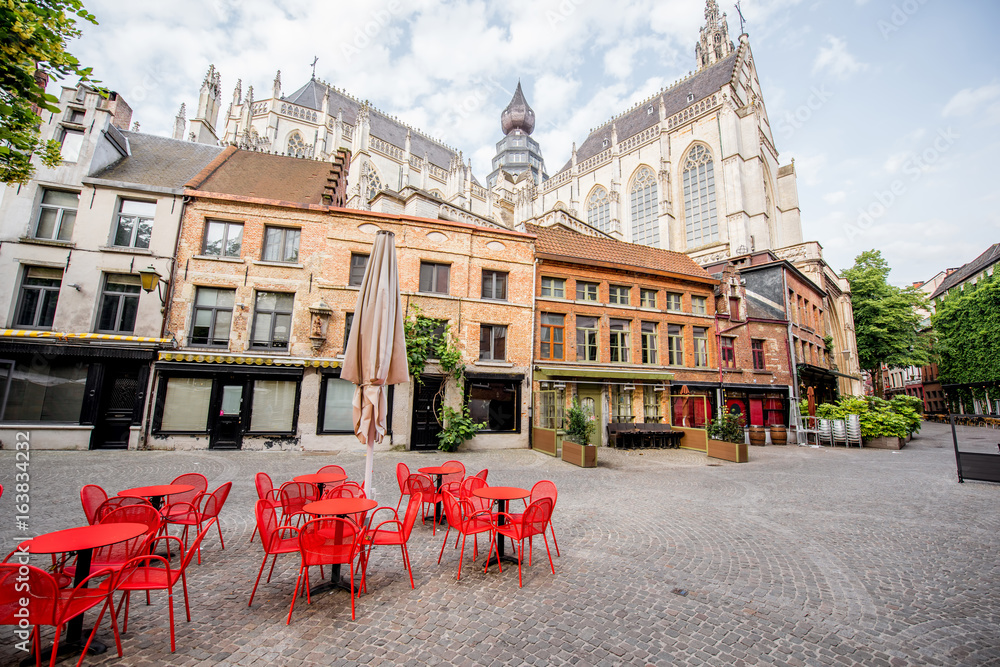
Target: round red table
338, 507
321, 479
439, 472
83, 541
501, 494
155, 493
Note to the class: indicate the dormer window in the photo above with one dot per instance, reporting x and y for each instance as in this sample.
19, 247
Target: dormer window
690, 97
649, 110
605, 143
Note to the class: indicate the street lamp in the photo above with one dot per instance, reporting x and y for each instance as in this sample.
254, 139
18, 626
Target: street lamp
151, 279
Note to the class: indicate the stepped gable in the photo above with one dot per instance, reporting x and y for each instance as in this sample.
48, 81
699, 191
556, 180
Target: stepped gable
703, 84
265, 176
559, 241
976, 266
159, 161
385, 128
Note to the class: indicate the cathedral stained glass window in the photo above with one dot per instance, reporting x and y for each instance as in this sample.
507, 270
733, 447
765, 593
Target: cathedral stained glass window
599, 210
700, 218
642, 197
372, 182
296, 146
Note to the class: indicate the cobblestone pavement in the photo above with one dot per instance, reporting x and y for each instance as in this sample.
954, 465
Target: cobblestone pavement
803, 556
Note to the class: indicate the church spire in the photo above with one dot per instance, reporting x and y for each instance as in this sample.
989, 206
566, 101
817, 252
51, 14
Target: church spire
714, 43
518, 115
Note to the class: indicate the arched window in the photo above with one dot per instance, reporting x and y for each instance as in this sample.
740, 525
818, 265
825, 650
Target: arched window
599, 209
372, 184
296, 146
700, 219
642, 199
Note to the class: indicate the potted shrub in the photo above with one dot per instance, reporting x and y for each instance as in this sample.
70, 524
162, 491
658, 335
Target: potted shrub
576, 447
725, 439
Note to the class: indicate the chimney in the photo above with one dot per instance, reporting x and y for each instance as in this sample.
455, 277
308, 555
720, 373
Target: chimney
335, 192
121, 112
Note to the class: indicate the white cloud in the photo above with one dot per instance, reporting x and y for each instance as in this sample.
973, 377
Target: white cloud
835, 197
834, 59
973, 100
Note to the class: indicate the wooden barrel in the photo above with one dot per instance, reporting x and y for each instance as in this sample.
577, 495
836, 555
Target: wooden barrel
758, 436
778, 435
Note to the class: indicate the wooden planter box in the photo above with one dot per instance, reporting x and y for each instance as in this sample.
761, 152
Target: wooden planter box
886, 442
546, 441
584, 456
728, 451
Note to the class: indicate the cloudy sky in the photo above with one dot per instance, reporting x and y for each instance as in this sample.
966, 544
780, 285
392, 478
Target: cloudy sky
890, 108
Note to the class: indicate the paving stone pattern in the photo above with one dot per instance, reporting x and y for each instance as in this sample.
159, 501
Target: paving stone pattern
803, 556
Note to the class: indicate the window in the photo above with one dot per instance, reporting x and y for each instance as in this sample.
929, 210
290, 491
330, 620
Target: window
119, 303
296, 146
281, 244
495, 285
649, 343
57, 215
621, 405
647, 298
642, 198
213, 316
673, 302
75, 116
71, 143
700, 219
495, 402
699, 305
338, 408
43, 389
675, 345
757, 347
273, 406
586, 291
550, 407
223, 239
39, 294
728, 347
272, 320
552, 336
492, 342
599, 209
434, 277
359, 263
586, 338
734, 308
619, 342
650, 404
348, 321
134, 223
700, 346
185, 405
554, 287
618, 294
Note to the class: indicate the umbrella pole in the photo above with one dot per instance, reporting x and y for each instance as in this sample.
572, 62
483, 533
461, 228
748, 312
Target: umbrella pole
369, 464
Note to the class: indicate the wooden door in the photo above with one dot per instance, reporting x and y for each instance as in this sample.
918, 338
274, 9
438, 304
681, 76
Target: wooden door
426, 404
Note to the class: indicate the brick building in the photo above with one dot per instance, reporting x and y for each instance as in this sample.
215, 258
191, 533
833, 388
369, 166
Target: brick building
621, 327
267, 279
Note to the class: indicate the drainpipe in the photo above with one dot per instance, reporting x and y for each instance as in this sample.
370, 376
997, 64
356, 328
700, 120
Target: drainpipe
793, 391
531, 358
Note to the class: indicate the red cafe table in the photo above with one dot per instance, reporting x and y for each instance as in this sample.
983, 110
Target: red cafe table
83, 541
340, 507
501, 494
439, 472
321, 479
155, 493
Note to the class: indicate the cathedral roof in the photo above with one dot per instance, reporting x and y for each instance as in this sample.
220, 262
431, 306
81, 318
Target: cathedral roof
385, 128
558, 241
701, 85
159, 161
518, 115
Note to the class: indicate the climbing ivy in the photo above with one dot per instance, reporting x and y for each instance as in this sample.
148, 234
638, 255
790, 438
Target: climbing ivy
967, 326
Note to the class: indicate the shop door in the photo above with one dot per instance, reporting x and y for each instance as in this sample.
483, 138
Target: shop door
590, 401
227, 433
119, 394
426, 403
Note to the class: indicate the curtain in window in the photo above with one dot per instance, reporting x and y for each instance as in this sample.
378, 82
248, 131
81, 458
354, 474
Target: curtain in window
338, 411
273, 406
185, 406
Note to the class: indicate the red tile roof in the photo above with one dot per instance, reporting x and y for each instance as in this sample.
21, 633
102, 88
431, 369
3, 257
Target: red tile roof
560, 243
264, 176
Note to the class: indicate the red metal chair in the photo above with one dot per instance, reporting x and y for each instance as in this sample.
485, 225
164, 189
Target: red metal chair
91, 496
114, 503
205, 507
273, 539
424, 485
402, 472
532, 522
345, 490
266, 492
153, 573
466, 492
331, 469
543, 489
379, 536
294, 496
482, 474
196, 480
452, 481
327, 541
115, 556
467, 521
47, 604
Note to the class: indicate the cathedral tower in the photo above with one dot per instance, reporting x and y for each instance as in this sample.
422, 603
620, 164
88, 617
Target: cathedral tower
517, 152
204, 123
714, 43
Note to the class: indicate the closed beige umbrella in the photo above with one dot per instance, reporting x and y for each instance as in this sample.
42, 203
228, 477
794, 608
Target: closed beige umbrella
376, 349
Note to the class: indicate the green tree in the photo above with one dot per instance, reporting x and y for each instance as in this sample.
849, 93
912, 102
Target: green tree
967, 326
886, 323
33, 40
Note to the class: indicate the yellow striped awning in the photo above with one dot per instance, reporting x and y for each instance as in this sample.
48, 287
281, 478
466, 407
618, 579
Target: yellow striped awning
64, 336
248, 360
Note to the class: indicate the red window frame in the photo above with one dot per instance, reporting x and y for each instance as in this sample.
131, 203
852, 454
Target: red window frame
757, 347
727, 352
